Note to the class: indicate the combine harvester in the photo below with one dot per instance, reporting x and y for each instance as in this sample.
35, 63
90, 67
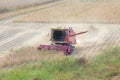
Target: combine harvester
62, 40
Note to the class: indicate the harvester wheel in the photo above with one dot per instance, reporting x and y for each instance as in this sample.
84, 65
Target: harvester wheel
68, 52
72, 48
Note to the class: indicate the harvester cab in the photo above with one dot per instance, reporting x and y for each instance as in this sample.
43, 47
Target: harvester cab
62, 36
62, 40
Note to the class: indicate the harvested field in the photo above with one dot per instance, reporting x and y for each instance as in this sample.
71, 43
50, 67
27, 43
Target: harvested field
19, 4
16, 9
33, 27
99, 36
77, 11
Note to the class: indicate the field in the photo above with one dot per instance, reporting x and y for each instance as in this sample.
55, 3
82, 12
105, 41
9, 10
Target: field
16, 7
99, 36
77, 11
31, 26
24, 24
16, 4
53, 66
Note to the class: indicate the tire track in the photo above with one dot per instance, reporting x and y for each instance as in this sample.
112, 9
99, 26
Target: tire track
34, 10
9, 33
90, 49
18, 41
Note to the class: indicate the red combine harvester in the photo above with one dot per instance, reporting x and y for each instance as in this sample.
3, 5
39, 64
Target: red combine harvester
62, 40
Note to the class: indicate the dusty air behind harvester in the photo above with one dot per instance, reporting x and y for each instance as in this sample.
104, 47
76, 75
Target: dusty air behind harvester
62, 40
